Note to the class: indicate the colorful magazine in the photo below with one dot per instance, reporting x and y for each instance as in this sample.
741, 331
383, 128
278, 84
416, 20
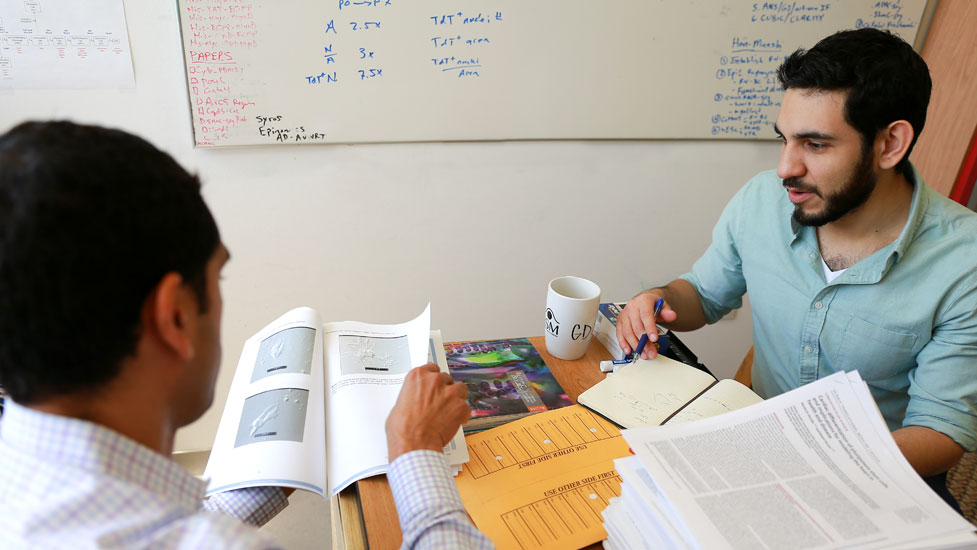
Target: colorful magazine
506, 379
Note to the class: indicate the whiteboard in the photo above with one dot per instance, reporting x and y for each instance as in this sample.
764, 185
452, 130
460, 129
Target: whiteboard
342, 71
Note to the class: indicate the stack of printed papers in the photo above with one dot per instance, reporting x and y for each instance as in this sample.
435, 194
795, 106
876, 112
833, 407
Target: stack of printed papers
812, 468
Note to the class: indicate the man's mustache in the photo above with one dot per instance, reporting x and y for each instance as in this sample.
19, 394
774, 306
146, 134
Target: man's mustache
800, 186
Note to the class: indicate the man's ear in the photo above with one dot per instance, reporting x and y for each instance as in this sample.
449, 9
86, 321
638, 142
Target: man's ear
895, 139
171, 308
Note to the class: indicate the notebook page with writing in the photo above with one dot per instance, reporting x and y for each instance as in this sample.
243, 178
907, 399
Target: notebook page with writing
726, 395
645, 393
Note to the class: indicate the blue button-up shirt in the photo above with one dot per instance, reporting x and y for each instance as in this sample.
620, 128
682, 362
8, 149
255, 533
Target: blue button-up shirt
905, 317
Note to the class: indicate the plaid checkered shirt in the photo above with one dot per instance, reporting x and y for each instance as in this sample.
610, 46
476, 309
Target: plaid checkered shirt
430, 509
68, 483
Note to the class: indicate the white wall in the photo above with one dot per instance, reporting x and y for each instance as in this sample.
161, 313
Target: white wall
374, 232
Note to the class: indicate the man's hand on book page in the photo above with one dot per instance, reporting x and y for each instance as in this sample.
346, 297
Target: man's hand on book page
430, 408
638, 318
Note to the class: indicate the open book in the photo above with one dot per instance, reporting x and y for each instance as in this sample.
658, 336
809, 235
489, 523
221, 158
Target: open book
660, 390
308, 403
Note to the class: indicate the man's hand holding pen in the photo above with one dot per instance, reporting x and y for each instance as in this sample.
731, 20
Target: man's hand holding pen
638, 319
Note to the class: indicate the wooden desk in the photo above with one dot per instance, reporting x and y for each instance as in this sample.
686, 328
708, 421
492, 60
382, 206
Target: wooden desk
377, 503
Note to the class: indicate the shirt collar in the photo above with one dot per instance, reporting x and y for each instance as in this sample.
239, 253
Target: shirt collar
917, 210
79, 444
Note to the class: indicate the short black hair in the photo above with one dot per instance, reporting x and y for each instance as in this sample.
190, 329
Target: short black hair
91, 219
885, 78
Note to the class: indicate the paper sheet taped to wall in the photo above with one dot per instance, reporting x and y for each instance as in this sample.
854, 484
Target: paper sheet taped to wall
64, 44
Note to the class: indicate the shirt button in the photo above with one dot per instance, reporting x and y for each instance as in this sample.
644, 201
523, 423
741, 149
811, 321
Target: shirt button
818, 305
808, 349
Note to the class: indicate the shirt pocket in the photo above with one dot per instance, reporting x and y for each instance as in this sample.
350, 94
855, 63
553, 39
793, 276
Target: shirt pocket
883, 357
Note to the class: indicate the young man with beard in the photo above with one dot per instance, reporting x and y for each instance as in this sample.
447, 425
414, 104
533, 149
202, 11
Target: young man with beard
110, 311
851, 261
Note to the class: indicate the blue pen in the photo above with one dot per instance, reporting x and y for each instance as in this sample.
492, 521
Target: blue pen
658, 309
612, 366
607, 366
644, 337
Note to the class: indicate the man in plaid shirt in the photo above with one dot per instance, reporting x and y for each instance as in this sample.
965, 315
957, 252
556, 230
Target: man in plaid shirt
110, 311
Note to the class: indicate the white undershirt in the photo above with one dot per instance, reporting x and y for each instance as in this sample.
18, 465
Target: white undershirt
828, 274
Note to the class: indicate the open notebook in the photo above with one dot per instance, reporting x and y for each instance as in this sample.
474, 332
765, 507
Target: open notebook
653, 392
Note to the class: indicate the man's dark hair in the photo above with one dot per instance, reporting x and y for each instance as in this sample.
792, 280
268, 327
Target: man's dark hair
885, 78
91, 219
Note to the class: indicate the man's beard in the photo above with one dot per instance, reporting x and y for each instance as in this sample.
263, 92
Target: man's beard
852, 194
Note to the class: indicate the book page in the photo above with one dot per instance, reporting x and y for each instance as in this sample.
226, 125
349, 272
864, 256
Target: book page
645, 393
272, 430
455, 452
812, 468
365, 368
726, 395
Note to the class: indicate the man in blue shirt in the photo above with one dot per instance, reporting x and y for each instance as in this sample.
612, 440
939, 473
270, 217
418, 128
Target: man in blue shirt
851, 261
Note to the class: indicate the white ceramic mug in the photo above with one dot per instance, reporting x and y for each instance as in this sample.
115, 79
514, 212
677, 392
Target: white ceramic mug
571, 311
